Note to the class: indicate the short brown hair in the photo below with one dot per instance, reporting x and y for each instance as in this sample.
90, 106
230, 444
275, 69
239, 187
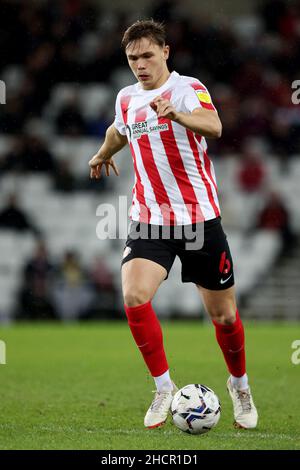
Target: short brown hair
145, 28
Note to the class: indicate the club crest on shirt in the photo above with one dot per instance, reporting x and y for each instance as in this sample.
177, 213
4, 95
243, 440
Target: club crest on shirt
137, 129
203, 96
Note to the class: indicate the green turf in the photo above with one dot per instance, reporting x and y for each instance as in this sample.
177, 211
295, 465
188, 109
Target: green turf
85, 387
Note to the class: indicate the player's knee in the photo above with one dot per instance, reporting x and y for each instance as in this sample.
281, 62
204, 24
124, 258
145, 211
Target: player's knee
224, 316
136, 296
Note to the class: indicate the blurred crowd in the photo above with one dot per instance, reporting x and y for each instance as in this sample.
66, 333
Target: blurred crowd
29, 154
248, 67
65, 290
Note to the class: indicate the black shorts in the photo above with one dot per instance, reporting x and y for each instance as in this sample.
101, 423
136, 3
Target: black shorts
207, 263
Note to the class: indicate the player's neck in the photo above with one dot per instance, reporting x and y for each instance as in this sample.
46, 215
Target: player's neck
161, 81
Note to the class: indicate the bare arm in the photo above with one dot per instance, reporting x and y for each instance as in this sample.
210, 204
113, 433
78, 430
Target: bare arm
113, 142
202, 121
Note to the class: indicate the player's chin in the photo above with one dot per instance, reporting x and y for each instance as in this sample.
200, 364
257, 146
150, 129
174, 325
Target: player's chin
145, 81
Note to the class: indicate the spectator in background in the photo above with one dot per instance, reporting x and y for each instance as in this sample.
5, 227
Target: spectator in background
282, 140
14, 218
275, 216
34, 299
163, 10
29, 154
107, 58
68, 65
69, 120
272, 12
98, 125
38, 158
255, 118
13, 160
229, 105
72, 293
251, 178
104, 304
41, 68
12, 116
101, 276
64, 179
252, 172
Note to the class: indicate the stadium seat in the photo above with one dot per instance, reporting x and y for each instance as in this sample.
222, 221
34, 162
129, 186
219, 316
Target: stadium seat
60, 95
5, 144
95, 98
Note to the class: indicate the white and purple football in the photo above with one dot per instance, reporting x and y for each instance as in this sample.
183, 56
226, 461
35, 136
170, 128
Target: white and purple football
195, 409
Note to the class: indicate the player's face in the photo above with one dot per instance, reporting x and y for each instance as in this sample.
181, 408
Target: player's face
148, 62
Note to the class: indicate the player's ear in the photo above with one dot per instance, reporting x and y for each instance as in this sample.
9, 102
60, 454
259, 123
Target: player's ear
166, 51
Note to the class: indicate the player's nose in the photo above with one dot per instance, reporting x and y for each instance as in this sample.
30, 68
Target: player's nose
141, 66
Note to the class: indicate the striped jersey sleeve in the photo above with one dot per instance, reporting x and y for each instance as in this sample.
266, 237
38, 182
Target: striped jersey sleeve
119, 121
196, 95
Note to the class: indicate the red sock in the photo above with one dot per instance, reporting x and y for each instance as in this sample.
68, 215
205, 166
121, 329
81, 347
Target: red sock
231, 339
147, 333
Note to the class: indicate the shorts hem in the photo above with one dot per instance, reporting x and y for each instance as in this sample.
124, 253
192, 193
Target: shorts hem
201, 284
148, 258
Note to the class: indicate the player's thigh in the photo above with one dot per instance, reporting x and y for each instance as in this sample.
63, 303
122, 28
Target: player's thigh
140, 280
219, 304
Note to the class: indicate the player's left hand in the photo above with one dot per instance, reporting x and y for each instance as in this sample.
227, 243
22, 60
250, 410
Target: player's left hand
96, 164
163, 108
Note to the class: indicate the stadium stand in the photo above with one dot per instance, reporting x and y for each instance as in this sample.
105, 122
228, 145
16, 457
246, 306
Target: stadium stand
69, 69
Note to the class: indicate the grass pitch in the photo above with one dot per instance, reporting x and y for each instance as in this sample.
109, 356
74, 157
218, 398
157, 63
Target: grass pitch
85, 386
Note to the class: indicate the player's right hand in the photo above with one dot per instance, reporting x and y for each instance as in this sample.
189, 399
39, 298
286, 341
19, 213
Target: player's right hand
96, 164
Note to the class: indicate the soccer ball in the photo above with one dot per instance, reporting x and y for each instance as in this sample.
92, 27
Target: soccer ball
195, 409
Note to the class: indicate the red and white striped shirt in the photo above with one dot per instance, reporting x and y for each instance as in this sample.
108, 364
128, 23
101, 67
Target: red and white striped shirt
175, 181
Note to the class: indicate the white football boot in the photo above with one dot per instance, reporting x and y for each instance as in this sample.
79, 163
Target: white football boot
245, 413
158, 412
